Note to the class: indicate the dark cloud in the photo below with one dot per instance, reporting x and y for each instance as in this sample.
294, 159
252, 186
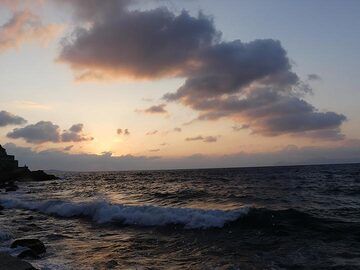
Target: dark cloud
289, 155
156, 109
244, 81
43, 131
76, 128
7, 118
177, 129
154, 150
137, 43
46, 131
207, 139
313, 77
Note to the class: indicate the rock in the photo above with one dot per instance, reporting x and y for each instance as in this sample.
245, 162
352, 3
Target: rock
8, 262
34, 244
1, 207
111, 264
42, 176
28, 254
11, 188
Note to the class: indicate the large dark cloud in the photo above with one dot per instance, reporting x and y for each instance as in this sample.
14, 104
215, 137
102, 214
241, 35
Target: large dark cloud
248, 82
151, 43
289, 155
7, 118
46, 131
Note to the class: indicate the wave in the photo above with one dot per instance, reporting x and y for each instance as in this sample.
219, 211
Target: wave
147, 215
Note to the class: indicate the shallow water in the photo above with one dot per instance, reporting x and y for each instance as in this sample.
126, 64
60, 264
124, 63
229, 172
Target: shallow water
303, 217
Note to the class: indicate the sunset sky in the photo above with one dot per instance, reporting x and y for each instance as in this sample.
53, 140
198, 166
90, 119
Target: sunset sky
122, 84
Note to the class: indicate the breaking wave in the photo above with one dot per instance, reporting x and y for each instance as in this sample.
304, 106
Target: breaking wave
147, 215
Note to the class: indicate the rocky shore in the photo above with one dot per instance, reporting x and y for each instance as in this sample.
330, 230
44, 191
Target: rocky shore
10, 175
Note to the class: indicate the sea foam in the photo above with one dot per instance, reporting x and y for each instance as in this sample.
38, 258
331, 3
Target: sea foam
147, 215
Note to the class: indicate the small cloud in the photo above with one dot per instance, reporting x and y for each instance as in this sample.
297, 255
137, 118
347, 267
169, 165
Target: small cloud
163, 144
68, 148
313, 77
125, 131
210, 139
242, 127
7, 119
155, 109
177, 129
207, 139
31, 105
154, 150
107, 153
152, 132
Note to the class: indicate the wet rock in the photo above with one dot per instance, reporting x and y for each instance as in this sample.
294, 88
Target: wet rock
34, 244
1, 207
8, 262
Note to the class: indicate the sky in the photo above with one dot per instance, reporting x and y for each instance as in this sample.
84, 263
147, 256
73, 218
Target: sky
134, 84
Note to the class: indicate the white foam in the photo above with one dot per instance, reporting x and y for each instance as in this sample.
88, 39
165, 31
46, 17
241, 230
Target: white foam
147, 215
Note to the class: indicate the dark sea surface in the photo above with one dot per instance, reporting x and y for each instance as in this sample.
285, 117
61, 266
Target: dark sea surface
301, 217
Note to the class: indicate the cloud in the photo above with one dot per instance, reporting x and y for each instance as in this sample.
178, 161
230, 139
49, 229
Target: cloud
156, 109
154, 150
289, 155
177, 129
207, 139
74, 134
43, 131
142, 44
46, 131
125, 131
243, 81
313, 77
24, 27
68, 148
152, 132
7, 118
241, 127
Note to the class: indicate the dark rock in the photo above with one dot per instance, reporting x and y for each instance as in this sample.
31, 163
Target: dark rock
11, 188
42, 176
28, 254
111, 264
1, 207
8, 262
29, 218
34, 244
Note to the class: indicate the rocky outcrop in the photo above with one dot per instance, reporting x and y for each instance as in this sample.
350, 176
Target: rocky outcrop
34, 245
8, 262
10, 170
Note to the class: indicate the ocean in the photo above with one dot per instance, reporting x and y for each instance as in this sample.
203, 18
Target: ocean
298, 217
